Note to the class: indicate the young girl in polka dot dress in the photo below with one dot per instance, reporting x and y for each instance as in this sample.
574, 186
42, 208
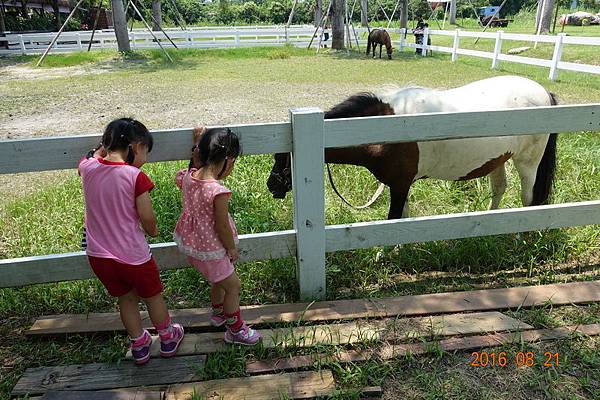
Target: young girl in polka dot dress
206, 233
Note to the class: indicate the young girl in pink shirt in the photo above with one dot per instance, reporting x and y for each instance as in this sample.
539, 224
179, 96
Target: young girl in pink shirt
206, 232
117, 202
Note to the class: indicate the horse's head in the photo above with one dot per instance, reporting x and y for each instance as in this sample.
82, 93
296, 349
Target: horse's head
390, 50
280, 179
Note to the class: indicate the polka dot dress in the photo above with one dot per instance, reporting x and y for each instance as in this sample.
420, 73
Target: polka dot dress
195, 232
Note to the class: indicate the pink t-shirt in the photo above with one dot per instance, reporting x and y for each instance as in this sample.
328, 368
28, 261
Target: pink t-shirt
195, 232
111, 220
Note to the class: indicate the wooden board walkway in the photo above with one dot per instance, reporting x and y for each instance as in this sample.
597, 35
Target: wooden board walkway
391, 330
104, 395
390, 351
299, 385
438, 303
109, 376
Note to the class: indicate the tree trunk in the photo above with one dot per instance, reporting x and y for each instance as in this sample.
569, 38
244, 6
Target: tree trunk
546, 16
24, 13
56, 12
364, 16
338, 11
3, 43
2, 24
452, 18
404, 14
157, 15
120, 25
318, 12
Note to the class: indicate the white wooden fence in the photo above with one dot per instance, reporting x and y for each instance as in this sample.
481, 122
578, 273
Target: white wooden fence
555, 64
300, 35
306, 136
209, 37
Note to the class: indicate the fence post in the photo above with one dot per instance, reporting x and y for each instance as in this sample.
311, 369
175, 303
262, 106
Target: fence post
425, 41
79, 41
455, 45
237, 39
22, 44
556, 56
132, 39
309, 200
497, 50
402, 38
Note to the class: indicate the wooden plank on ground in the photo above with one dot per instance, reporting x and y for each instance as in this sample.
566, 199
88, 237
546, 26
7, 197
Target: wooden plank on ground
391, 330
299, 385
132, 394
437, 303
390, 351
109, 376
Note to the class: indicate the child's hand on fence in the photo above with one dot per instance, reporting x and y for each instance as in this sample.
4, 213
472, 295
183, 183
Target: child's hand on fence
233, 254
198, 132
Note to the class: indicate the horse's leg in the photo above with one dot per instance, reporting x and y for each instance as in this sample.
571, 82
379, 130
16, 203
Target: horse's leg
398, 200
498, 185
527, 170
380, 47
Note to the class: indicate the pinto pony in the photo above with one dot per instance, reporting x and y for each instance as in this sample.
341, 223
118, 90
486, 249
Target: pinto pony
399, 165
379, 37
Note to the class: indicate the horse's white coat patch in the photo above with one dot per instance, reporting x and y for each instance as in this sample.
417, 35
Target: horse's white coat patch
456, 158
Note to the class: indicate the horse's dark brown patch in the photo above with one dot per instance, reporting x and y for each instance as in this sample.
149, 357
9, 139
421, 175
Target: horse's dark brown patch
488, 167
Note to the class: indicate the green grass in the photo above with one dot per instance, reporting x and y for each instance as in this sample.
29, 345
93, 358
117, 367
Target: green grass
50, 219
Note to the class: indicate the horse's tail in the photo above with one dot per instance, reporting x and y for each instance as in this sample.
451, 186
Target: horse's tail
544, 177
369, 42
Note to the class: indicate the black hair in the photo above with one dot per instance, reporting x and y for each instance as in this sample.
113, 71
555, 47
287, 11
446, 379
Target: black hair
215, 146
121, 133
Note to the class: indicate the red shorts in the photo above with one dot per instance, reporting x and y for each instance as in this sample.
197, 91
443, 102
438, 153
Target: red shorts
120, 279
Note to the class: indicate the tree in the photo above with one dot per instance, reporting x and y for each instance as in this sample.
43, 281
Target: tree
364, 13
2, 24
452, 18
157, 15
547, 10
403, 13
338, 13
120, 24
56, 12
318, 12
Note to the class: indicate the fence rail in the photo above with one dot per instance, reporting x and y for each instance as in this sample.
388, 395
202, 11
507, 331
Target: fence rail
306, 136
555, 64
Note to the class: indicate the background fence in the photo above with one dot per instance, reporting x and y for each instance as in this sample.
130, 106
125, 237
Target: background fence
555, 64
307, 135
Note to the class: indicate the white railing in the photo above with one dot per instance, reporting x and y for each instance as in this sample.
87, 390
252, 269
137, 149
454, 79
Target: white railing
306, 136
211, 37
555, 64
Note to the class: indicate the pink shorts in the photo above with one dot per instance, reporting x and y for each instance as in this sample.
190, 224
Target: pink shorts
213, 270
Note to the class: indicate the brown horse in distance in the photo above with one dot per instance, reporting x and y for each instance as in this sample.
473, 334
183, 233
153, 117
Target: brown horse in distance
379, 37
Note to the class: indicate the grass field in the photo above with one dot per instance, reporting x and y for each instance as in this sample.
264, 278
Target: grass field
251, 85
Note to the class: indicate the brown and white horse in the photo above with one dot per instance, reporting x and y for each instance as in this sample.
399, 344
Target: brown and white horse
398, 165
382, 38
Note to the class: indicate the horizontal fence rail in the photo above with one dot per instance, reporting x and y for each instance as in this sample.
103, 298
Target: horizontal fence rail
268, 138
555, 64
221, 37
63, 152
282, 244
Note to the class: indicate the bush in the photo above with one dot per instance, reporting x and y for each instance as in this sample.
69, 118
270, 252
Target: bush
249, 12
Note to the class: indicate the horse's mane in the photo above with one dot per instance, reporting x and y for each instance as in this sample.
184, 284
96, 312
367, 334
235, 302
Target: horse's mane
363, 104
